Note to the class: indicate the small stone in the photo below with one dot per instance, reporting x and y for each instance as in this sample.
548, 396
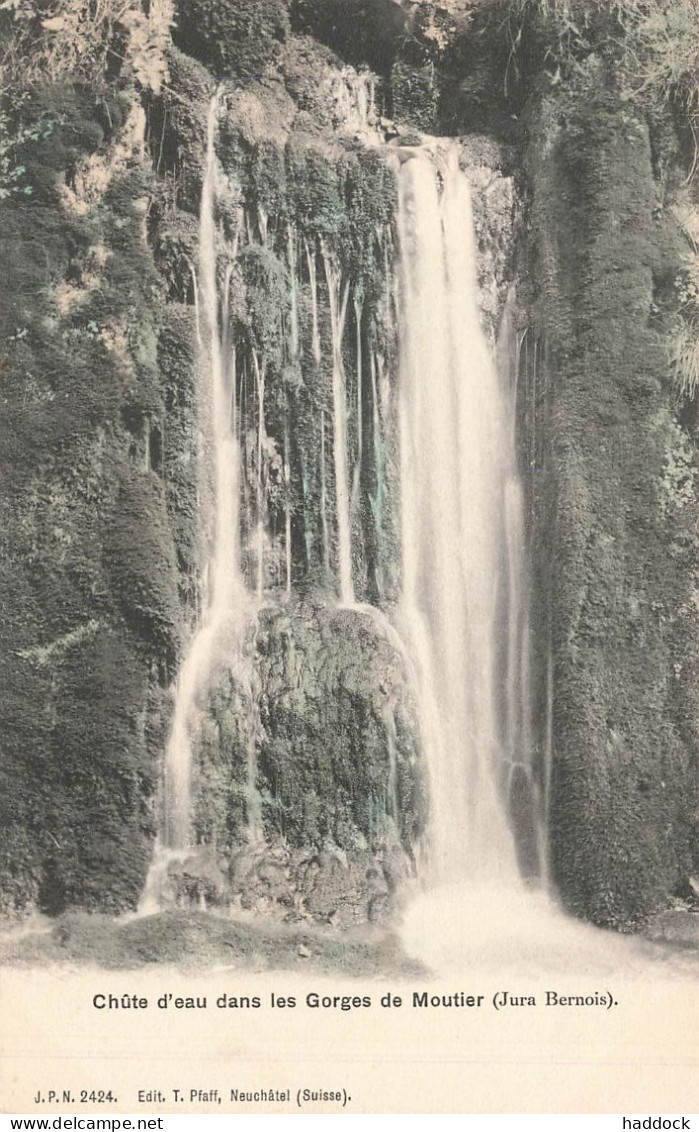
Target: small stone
304, 952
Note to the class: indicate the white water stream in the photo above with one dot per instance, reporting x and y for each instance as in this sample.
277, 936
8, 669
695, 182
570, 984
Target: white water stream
462, 528
464, 605
228, 605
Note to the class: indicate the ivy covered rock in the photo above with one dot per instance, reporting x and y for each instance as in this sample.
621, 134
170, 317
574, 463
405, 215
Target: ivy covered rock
310, 774
234, 38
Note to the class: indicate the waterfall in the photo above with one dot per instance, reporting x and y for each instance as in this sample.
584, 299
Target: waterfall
227, 605
462, 617
527, 786
338, 296
358, 303
462, 531
312, 275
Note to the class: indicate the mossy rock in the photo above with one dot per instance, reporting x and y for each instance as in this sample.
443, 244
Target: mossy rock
615, 552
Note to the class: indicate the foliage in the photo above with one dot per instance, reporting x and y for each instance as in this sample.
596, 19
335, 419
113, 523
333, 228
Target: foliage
651, 45
43, 132
88, 39
267, 177
370, 192
676, 489
619, 559
13, 137
140, 556
314, 191
415, 95
177, 363
434, 26
301, 63
235, 38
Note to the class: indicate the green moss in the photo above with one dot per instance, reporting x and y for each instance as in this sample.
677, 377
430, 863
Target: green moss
77, 827
177, 135
300, 64
326, 192
265, 279
178, 366
371, 196
314, 189
139, 555
53, 126
621, 570
323, 736
90, 611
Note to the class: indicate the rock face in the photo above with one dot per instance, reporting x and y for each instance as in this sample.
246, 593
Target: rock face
319, 747
89, 578
309, 799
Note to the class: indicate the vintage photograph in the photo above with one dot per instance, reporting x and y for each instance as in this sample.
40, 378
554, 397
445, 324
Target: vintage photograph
349, 374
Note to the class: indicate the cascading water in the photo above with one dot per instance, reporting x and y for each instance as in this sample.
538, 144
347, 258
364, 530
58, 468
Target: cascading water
463, 609
227, 610
338, 314
463, 606
301, 446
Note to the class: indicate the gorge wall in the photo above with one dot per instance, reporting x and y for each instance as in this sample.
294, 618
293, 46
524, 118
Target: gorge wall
309, 793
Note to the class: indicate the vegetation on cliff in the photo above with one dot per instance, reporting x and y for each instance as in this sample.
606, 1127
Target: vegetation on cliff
89, 605
616, 519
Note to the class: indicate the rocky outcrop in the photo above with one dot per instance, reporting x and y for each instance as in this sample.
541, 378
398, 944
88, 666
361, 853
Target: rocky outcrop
612, 500
309, 792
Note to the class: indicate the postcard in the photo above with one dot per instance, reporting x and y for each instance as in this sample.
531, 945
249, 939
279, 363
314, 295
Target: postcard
348, 705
